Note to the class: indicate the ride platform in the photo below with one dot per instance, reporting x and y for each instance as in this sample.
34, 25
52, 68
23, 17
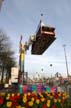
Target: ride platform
45, 36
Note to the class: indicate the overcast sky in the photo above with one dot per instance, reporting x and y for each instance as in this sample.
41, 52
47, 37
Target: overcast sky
21, 17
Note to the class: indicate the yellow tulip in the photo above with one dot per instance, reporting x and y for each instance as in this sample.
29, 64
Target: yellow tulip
37, 101
8, 94
48, 95
7, 98
55, 100
48, 104
59, 100
28, 93
18, 106
13, 94
9, 104
46, 92
18, 94
30, 103
51, 97
34, 92
23, 107
24, 99
41, 95
32, 99
42, 99
48, 101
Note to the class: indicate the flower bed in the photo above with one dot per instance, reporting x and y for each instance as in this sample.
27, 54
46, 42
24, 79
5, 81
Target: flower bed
34, 100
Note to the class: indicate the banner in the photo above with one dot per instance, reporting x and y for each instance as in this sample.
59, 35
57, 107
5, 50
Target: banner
25, 88
39, 88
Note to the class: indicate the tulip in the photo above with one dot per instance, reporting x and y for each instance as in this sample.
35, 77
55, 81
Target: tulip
44, 106
42, 99
30, 103
55, 100
48, 105
7, 98
53, 106
1, 100
9, 104
18, 106
32, 99
37, 101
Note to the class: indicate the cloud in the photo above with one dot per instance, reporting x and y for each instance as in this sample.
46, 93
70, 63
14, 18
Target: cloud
43, 59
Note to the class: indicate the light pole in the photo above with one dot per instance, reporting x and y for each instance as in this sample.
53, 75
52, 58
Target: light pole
66, 60
51, 72
42, 71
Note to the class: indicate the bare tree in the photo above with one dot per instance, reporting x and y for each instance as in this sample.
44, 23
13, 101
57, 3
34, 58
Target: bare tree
6, 54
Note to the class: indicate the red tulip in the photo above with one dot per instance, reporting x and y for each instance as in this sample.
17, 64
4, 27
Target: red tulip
1, 100
56, 95
44, 106
53, 106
